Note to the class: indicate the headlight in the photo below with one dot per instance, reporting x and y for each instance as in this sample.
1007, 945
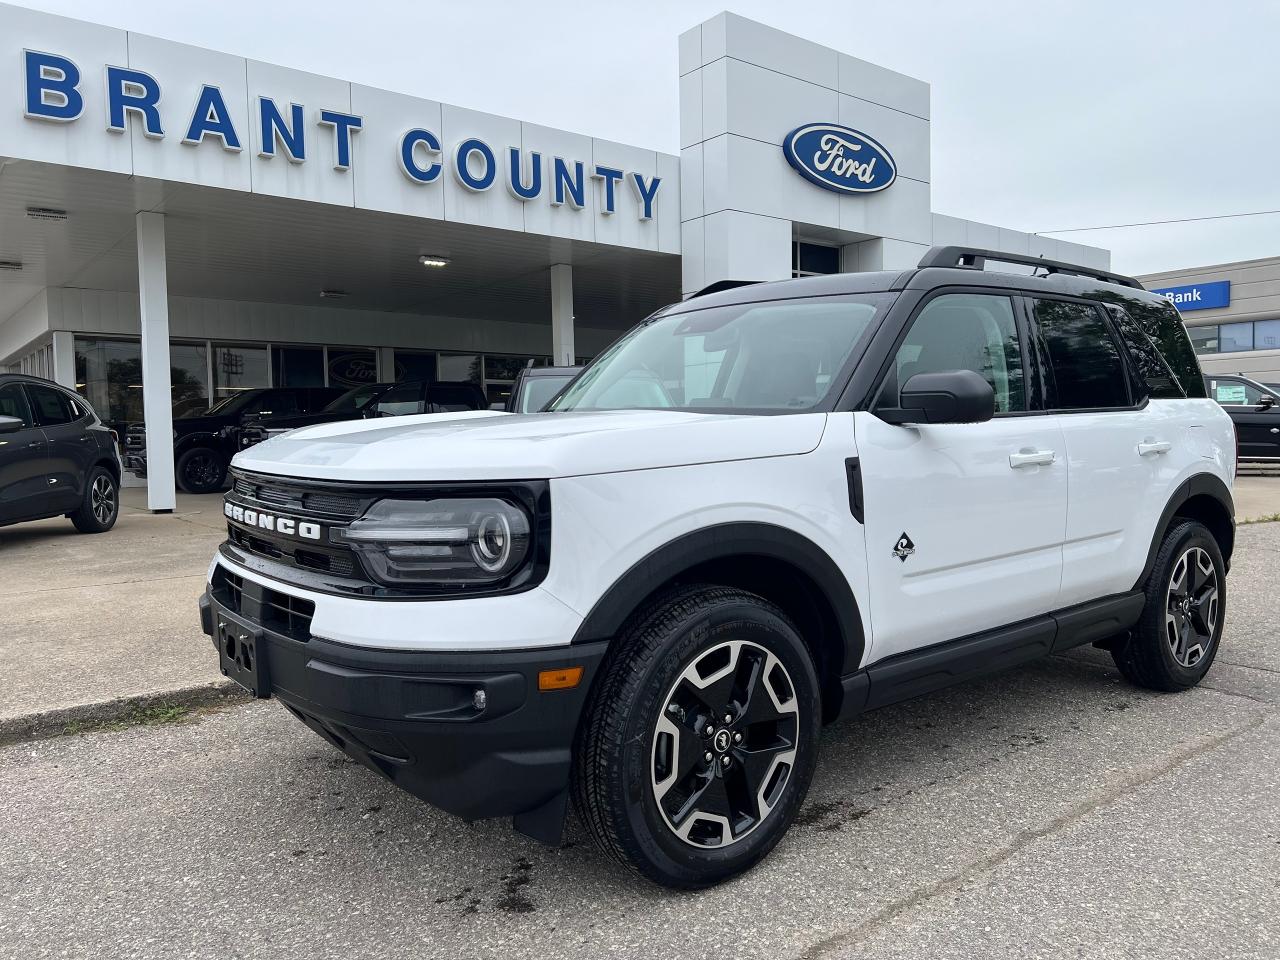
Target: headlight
447, 541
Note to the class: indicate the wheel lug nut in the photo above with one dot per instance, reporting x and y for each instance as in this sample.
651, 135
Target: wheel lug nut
709, 731
707, 756
726, 760
728, 718
737, 738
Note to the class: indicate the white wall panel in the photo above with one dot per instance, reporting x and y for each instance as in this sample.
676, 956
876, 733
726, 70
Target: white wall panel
901, 212
182, 72
868, 81
904, 136
668, 204
794, 56
380, 183
765, 105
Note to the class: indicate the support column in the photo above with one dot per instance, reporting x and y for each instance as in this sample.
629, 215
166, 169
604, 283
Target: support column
157, 391
386, 364
562, 352
64, 358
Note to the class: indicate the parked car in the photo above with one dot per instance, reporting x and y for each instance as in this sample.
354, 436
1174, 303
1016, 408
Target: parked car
763, 509
375, 400
204, 441
56, 457
1254, 408
535, 387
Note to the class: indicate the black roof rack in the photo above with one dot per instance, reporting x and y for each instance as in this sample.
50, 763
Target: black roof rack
971, 258
722, 285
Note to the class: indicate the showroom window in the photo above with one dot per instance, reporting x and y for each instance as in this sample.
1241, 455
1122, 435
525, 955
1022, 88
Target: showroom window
237, 368
415, 365
350, 367
109, 376
813, 259
297, 366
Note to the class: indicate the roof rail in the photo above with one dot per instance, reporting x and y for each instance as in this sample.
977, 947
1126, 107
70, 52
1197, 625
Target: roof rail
971, 258
722, 285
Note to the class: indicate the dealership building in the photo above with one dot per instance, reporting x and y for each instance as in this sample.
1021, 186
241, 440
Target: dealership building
1232, 312
180, 224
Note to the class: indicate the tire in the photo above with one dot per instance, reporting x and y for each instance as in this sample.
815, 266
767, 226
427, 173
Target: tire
100, 505
1176, 639
201, 470
642, 749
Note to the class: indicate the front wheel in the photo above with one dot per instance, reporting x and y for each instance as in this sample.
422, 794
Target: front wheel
201, 470
700, 739
1177, 636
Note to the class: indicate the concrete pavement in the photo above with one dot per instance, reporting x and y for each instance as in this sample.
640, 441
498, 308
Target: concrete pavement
1051, 812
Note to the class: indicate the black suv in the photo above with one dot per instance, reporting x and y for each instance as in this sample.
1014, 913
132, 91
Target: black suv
204, 441
535, 387
375, 400
56, 457
1255, 410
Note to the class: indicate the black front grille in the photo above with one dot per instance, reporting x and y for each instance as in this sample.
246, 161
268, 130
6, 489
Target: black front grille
297, 498
279, 612
340, 563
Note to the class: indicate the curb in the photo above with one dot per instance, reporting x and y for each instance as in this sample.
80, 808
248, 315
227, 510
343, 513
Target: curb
54, 723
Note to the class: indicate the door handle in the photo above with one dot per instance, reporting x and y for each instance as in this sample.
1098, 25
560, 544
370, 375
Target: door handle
1148, 447
1275, 429
1031, 458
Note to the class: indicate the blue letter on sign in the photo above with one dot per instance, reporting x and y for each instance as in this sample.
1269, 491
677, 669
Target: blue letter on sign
409, 165
515, 174
292, 137
610, 176
211, 116
645, 194
51, 87
567, 187
465, 149
132, 91
343, 125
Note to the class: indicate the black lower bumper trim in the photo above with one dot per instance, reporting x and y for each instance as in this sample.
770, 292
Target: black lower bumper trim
469, 733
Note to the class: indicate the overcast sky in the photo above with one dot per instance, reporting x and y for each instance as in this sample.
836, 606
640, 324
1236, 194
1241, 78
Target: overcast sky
1044, 116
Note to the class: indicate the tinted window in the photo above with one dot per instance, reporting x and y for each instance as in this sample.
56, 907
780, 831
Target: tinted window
52, 408
1159, 379
963, 331
1084, 368
402, 399
13, 403
1234, 392
448, 399
274, 403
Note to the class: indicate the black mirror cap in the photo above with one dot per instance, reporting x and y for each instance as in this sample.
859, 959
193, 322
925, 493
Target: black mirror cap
10, 424
950, 396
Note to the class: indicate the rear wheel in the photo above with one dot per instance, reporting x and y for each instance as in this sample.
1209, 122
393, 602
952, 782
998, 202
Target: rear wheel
101, 504
700, 739
1177, 637
201, 470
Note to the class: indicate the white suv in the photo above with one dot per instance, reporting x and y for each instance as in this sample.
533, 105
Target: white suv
762, 509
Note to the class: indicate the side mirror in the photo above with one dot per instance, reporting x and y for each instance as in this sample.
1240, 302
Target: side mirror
951, 396
10, 424
1266, 402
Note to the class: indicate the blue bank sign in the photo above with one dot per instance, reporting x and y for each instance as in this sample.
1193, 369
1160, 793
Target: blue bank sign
54, 94
839, 159
1198, 296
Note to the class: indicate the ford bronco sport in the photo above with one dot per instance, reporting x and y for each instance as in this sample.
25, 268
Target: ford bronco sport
760, 510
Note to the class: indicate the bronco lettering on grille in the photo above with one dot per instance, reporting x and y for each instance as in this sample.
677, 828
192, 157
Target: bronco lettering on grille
270, 521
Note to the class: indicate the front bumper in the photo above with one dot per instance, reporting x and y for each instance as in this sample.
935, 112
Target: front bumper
136, 462
412, 716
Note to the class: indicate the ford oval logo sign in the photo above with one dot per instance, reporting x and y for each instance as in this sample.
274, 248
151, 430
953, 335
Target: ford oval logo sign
838, 158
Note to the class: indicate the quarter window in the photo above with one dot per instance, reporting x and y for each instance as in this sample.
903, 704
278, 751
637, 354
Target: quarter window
1084, 369
963, 331
51, 406
13, 403
1160, 381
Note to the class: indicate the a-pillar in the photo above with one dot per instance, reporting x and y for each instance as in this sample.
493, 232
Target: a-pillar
562, 353
157, 393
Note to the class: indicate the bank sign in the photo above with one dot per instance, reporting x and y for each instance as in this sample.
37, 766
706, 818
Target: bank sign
298, 134
1198, 296
839, 159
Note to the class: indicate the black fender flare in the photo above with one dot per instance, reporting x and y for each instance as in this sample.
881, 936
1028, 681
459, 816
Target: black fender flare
723, 541
1200, 484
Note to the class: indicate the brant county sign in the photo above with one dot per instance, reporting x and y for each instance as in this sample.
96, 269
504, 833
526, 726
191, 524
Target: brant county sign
839, 159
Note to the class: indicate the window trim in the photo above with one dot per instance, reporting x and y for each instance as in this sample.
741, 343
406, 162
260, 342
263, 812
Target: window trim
1043, 358
1011, 294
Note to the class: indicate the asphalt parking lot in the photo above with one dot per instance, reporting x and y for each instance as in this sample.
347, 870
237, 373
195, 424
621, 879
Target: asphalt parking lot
1050, 812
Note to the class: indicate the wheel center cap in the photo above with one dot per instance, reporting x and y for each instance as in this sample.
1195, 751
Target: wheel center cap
722, 740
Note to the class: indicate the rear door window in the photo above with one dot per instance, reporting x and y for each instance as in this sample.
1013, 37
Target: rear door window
51, 406
1084, 370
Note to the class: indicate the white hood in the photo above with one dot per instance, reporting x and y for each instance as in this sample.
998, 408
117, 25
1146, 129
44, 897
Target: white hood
495, 446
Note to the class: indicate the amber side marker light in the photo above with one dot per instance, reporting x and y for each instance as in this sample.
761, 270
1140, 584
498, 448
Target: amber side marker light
565, 679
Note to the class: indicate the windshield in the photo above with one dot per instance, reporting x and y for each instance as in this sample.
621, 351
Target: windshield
539, 390
355, 399
780, 356
226, 405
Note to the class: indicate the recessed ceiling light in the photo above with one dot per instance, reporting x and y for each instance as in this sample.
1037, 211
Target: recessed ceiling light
430, 260
10, 264
46, 213
332, 294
